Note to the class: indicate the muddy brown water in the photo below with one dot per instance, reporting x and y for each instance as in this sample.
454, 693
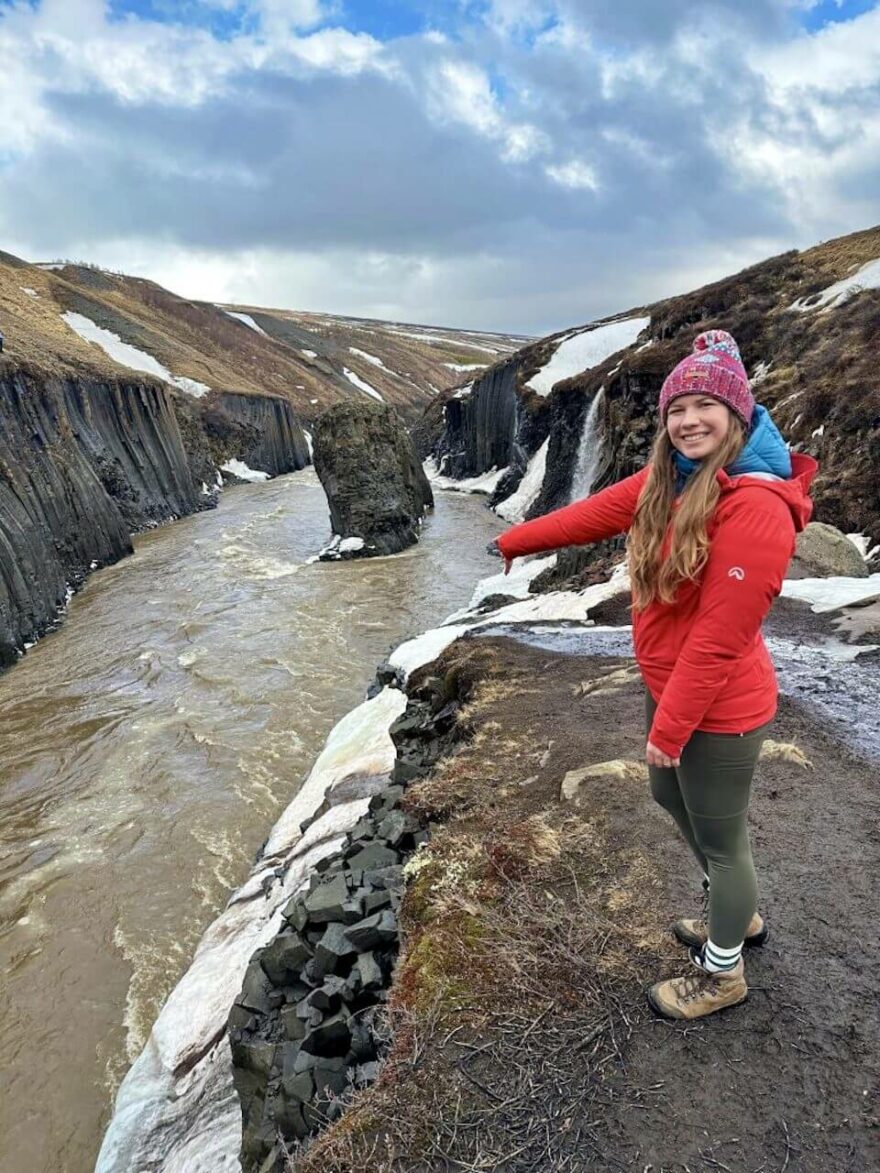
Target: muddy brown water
147, 747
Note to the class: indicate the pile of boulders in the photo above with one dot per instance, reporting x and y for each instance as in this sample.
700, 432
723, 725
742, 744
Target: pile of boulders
308, 1025
317, 986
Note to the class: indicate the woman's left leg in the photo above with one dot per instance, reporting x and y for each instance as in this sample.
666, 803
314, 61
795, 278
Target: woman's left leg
715, 777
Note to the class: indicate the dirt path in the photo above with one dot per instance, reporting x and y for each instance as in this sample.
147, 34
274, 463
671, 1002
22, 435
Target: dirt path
787, 1083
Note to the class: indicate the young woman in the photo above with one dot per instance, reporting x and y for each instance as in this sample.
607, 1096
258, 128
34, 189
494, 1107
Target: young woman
711, 523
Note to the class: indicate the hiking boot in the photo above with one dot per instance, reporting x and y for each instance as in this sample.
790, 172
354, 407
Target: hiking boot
696, 932
698, 994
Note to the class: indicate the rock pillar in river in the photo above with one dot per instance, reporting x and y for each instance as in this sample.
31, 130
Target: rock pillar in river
373, 479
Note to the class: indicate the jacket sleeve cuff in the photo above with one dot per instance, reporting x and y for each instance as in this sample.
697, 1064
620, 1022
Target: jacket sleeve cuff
670, 748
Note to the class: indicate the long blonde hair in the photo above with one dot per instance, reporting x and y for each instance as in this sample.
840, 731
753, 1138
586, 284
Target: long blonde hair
654, 579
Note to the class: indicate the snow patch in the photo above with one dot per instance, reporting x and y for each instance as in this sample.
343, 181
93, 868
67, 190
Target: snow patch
239, 469
516, 583
863, 544
582, 349
358, 382
761, 372
30, 292
309, 442
248, 321
377, 362
466, 366
827, 594
517, 505
486, 483
309, 353
867, 277
129, 356
337, 546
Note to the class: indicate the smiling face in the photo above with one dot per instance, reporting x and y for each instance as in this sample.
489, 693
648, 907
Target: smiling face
697, 425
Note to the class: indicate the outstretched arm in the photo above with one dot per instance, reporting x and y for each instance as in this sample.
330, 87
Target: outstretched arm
604, 515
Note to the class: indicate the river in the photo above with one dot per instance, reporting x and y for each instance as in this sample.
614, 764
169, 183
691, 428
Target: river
146, 748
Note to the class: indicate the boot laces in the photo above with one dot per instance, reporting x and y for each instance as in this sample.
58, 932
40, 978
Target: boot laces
696, 984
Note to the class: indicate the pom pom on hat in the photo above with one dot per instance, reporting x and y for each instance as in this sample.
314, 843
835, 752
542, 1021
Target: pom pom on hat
714, 368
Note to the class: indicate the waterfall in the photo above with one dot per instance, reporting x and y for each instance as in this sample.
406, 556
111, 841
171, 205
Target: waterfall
589, 451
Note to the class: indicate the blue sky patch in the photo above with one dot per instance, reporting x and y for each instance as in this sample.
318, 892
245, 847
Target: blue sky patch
833, 12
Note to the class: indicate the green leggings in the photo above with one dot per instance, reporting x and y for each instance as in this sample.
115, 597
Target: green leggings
708, 796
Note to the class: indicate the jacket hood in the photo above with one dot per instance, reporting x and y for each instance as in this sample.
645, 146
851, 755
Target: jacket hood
765, 451
795, 491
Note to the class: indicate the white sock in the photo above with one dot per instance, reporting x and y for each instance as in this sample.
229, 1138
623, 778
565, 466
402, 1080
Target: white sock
717, 960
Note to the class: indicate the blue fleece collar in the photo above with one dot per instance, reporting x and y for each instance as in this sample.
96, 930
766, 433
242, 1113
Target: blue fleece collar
765, 452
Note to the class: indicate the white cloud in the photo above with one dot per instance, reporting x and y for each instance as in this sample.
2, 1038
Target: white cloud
279, 17
459, 91
575, 174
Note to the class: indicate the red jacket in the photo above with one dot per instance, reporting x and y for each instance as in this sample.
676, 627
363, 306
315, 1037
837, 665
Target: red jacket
702, 656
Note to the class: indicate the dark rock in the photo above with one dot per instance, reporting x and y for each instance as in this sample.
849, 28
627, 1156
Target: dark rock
378, 929
299, 1086
353, 909
377, 900
254, 1055
289, 1117
332, 1037
284, 957
374, 856
396, 826
387, 877
370, 973
296, 992
364, 829
313, 972
374, 481
296, 914
294, 1027
306, 1061
322, 999
328, 1079
333, 949
325, 903
256, 987
405, 771
363, 1045
240, 1018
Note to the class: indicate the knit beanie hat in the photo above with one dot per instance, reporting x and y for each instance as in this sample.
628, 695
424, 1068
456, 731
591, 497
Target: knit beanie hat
715, 368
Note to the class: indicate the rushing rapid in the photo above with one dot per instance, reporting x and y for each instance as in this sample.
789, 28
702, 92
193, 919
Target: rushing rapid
145, 750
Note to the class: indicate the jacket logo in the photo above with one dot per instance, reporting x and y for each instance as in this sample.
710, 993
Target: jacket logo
736, 572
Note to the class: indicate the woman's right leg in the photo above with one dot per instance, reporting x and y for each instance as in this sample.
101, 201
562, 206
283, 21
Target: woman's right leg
666, 791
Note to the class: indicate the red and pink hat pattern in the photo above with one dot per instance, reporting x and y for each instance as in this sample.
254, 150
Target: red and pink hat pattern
715, 368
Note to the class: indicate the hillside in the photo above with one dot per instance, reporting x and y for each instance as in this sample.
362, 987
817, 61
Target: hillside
312, 360
577, 410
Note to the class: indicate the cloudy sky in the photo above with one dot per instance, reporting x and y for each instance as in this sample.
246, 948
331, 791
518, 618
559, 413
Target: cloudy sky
502, 164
